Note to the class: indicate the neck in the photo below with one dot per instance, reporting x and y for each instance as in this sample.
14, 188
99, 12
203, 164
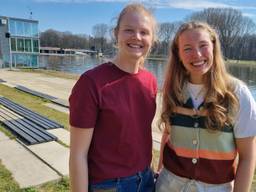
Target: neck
130, 65
196, 80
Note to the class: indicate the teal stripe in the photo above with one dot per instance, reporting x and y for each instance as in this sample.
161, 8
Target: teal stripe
188, 121
213, 141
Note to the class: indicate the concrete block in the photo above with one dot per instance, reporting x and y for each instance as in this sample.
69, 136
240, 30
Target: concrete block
26, 169
56, 155
62, 134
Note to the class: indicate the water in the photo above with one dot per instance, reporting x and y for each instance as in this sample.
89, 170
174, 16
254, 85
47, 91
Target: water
80, 64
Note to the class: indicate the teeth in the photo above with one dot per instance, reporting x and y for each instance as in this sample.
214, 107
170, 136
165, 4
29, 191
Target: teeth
135, 46
198, 63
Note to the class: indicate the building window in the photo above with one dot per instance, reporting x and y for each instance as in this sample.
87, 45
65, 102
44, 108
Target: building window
28, 45
34, 62
13, 44
35, 46
20, 45
35, 30
20, 28
12, 24
27, 29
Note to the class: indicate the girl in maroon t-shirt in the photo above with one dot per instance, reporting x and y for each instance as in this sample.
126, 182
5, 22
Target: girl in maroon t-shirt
111, 110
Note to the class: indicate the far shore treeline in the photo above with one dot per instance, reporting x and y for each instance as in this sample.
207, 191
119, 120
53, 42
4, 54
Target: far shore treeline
237, 34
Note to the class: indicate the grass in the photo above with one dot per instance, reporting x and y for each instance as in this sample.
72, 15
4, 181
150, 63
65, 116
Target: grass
53, 73
6, 181
241, 62
34, 103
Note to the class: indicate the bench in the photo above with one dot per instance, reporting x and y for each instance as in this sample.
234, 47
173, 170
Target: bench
58, 101
28, 131
32, 116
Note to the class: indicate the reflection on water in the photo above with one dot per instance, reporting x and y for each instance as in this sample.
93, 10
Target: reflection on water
247, 74
80, 64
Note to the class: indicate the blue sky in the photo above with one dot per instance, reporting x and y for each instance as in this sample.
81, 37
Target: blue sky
79, 16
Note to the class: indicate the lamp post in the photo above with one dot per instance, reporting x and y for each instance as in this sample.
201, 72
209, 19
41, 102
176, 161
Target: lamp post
8, 36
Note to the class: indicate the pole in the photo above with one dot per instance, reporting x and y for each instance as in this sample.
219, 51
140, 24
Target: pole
10, 47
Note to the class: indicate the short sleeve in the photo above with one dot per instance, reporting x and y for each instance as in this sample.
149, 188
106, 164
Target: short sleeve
245, 125
83, 103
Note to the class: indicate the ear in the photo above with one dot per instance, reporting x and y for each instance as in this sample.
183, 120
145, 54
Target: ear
115, 32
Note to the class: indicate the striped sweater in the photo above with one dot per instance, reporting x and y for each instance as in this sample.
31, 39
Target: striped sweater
197, 153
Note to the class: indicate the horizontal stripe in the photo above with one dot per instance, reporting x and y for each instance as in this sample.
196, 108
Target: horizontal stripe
205, 170
212, 155
189, 121
210, 141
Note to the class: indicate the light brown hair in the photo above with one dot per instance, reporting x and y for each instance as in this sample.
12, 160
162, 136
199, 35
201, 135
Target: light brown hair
220, 100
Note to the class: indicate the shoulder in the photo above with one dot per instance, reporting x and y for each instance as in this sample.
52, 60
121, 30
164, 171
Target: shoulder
98, 70
147, 73
241, 90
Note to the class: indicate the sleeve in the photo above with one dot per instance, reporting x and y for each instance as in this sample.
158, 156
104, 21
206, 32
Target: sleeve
83, 103
245, 125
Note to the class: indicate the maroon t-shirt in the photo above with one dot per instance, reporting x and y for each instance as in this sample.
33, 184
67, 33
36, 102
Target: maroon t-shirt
120, 107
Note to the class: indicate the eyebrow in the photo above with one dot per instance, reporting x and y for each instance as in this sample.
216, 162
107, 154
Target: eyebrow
199, 43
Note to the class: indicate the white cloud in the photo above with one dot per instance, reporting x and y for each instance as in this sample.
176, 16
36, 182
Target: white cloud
198, 5
185, 4
250, 15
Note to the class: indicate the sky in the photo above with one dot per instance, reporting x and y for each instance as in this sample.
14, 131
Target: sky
79, 16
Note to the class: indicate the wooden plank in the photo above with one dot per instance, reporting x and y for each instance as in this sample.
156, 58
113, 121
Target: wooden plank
30, 134
36, 93
30, 140
34, 128
27, 113
15, 123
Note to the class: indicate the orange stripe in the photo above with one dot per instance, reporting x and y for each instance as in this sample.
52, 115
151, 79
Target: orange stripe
206, 154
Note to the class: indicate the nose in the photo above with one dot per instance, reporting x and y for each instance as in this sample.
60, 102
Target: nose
137, 35
197, 52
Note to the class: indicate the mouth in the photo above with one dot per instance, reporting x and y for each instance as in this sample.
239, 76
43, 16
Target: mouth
135, 46
199, 63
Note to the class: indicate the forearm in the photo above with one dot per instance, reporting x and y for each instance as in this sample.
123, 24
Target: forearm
244, 175
163, 142
78, 171
246, 165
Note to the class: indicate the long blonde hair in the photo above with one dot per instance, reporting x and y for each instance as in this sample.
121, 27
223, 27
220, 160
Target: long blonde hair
220, 100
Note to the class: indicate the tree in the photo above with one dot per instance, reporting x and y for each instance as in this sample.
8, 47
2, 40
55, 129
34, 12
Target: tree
100, 32
50, 38
229, 22
166, 33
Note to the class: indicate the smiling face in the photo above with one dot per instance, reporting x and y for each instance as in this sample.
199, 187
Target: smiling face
134, 35
196, 53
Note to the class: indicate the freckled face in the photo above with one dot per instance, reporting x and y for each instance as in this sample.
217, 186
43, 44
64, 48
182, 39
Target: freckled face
135, 35
196, 53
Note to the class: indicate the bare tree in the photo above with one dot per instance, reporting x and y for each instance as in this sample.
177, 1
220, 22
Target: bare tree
100, 32
50, 38
229, 22
166, 33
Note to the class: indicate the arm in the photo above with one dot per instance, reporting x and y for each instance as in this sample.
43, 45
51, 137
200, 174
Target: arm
247, 157
164, 139
80, 140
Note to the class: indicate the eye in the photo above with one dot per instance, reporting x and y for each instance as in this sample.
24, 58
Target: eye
203, 45
187, 49
144, 32
128, 30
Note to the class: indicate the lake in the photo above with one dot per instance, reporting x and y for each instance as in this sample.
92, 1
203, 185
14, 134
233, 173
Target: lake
80, 64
